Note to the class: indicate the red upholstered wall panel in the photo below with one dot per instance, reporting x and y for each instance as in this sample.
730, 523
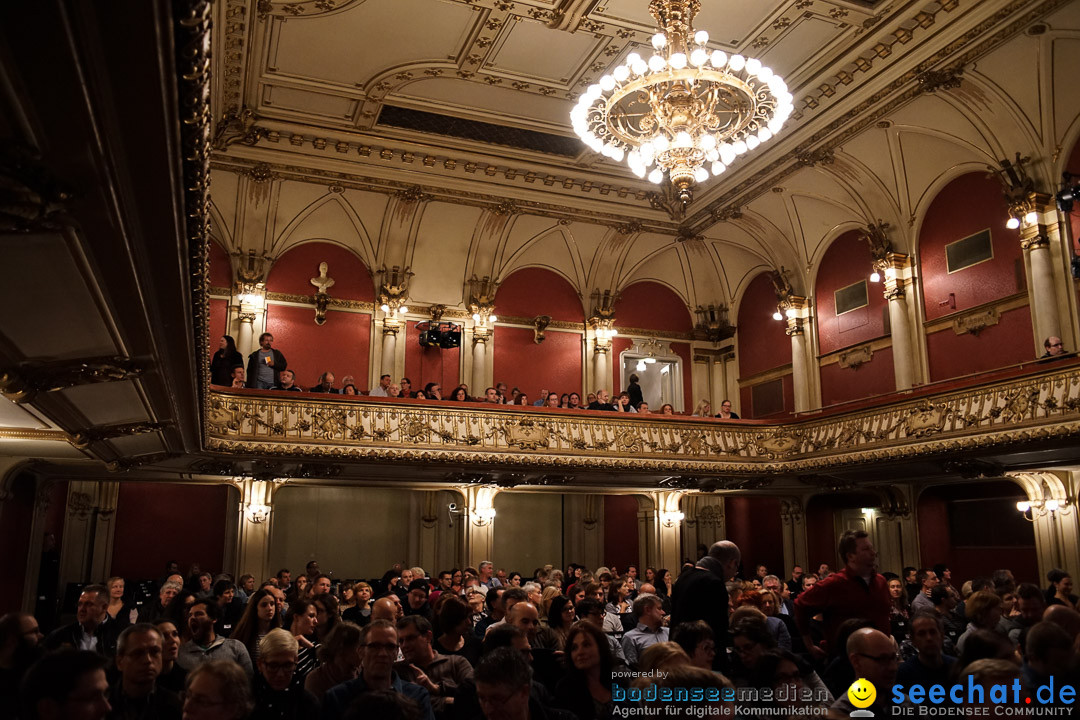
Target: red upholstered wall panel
1007, 343
763, 344
425, 365
293, 271
220, 267
340, 345
620, 532
219, 312
16, 516
873, 378
555, 364
969, 204
847, 261
652, 306
683, 351
159, 522
820, 534
746, 395
536, 291
619, 345
753, 523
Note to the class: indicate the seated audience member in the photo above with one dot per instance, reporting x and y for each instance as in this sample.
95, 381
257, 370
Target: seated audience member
591, 611
553, 401
574, 401
433, 391
491, 395
649, 612
238, 382
326, 612
1059, 591
684, 679
302, 622
92, 629
224, 594
697, 640
416, 600
138, 661
405, 388
931, 666
564, 400
66, 684
703, 409
987, 644
643, 408
225, 360
585, 690
1048, 654
602, 401
750, 640
873, 655
218, 689
622, 404
560, 617
326, 384
205, 645
172, 676
521, 399
349, 389
393, 391
379, 643
983, 610
1053, 346
119, 611
927, 581
457, 637
500, 389
791, 677
459, 395
495, 608
448, 678
725, 411
287, 381
339, 660
662, 657
20, 640
504, 689
360, 613
383, 388
667, 409
264, 365
276, 695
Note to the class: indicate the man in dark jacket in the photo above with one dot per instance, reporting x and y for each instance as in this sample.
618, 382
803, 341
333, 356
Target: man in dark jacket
700, 593
137, 695
92, 629
265, 364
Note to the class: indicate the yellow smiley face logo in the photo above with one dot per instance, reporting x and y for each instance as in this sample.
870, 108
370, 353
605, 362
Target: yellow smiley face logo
862, 693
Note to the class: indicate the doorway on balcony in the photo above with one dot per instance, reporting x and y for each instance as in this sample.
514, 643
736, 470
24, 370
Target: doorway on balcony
660, 377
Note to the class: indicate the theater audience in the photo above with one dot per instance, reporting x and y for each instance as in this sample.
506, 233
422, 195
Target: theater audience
92, 629
585, 689
703, 409
383, 388
601, 402
326, 384
447, 678
119, 611
1060, 590
456, 636
983, 610
725, 411
339, 660
277, 696
66, 684
649, 612
302, 621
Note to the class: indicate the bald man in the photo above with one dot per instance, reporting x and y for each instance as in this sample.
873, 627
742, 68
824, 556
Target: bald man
873, 655
700, 593
387, 608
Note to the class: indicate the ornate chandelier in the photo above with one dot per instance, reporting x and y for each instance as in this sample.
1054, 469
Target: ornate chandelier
683, 107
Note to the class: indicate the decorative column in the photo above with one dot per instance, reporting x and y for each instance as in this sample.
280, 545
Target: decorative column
37, 538
89, 532
701, 380
603, 333
1051, 508
1042, 286
718, 382
478, 522
896, 537
583, 529
798, 319
703, 523
793, 526
249, 305
254, 524
897, 275
393, 289
482, 306
660, 529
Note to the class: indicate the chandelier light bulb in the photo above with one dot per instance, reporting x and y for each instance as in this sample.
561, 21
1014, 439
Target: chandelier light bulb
633, 58
659, 40
1023, 506
402, 310
699, 57
607, 83
661, 143
657, 63
683, 140
678, 60
718, 167
740, 147
719, 59
765, 74
493, 318
476, 317
640, 67
752, 142
764, 134
385, 308
1012, 223
594, 91
753, 66
707, 142
875, 277
727, 153
621, 73
1031, 218
736, 62
712, 156
701, 37
701, 174
656, 176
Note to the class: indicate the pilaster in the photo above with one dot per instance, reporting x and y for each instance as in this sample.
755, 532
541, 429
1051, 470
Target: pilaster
89, 532
793, 528
798, 323
479, 522
703, 523
1051, 508
255, 524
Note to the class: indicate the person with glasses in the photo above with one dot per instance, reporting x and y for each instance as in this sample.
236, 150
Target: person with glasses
276, 695
379, 650
503, 684
449, 678
1053, 347
790, 677
874, 656
750, 639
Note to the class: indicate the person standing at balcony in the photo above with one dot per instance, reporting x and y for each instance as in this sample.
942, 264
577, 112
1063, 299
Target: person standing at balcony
225, 359
634, 391
265, 364
383, 389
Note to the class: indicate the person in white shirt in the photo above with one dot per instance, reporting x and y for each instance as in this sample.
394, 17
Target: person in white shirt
383, 390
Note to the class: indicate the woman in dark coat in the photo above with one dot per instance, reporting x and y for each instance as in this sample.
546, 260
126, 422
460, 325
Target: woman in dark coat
634, 390
224, 360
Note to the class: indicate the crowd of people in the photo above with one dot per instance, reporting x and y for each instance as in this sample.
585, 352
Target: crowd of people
267, 369
495, 645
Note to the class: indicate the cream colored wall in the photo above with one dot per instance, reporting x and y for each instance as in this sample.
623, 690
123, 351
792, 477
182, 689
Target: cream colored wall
528, 531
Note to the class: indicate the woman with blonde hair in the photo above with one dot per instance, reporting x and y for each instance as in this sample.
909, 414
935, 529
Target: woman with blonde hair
547, 595
118, 610
703, 409
276, 695
662, 657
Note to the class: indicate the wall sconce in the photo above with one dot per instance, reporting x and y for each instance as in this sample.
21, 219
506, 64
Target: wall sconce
483, 516
478, 318
400, 310
257, 513
671, 518
1030, 509
778, 316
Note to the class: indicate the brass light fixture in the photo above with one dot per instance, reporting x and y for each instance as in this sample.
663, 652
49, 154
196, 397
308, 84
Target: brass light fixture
683, 107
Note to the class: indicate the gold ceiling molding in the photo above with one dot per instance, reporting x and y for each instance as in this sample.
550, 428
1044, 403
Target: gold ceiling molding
1038, 407
36, 434
485, 201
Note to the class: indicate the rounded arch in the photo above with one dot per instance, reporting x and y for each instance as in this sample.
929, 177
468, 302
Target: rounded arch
934, 189
532, 290
366, 250
509, 266
761, 342
293, 269
817, 260
653, 304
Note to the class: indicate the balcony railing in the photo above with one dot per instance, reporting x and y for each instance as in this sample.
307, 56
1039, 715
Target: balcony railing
1042, 405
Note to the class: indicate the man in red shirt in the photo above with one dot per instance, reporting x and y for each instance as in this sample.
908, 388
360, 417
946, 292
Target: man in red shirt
857, 591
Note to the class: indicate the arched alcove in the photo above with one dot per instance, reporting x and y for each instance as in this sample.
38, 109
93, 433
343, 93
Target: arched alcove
764, 351
660, 311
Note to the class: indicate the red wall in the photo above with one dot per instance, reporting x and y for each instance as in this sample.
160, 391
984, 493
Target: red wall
753, 523
219, 316
340, 345
652, 306
820, 534
847, 261
872, 378
1007, 343
220, 267
967, 563
159, 522
746, 396
620, 532
424, 365
293, 271
554, 364
763, 342
536, 291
